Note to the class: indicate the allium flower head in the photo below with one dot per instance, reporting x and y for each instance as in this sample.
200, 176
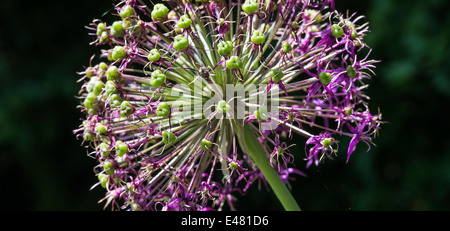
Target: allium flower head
184, 92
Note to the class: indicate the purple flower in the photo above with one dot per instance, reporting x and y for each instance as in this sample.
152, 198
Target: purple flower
164, 101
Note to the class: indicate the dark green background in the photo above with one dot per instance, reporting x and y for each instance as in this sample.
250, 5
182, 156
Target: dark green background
42, 166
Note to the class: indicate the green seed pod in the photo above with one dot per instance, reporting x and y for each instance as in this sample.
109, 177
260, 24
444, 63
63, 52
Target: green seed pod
327, 142
180, 43
125, 109
113, 73
234, 62
90, 101
90, 72
88, 136
325, 78
348, 111
168, 137
286, 47
233, 165
118, 52
351, 72
103, 178
154, 55
110, 88
184, 22
104, 149
98, 87
108, 166
163, 109
115, 100
258, 37
224, 47
101, 128
121, 148
104, 37
117, 29
222, 107
159, 11
280, 151
261, 113
157, 78
100, 28
276, 75
205, 144
103, 66
250, 6
126, 11
336, 31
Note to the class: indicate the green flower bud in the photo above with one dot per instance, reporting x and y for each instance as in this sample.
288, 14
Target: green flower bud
125, 109
108, 166
90, 72
286, 47
222, 107
250, 6
100, 28
121, 148
351, 72
325, 78
117, 29
220, 21
103, 179
115, 100
157, 78
180, 43
90, 101
348, 111
101, 128
110, 88
118, 52
87, 136
168, 137
258, 37
354, 34
113, 73
233, 165
103, 66
224, 47
336, 31
184, 22
104, 149
154, 55
276, 75
234, 62
163, 109
261, 113
205, 144
280, 151
126, 11
159, 11
98, 87
104, 37
327, 142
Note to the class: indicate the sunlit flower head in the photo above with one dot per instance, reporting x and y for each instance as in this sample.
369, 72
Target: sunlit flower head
178, 83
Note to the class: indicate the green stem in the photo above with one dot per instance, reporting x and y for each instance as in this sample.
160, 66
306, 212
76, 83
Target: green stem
251, 145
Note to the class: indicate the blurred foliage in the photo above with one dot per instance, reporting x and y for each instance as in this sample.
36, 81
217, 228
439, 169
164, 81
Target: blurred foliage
42, 166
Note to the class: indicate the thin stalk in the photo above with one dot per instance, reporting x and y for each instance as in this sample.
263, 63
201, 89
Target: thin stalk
252, 147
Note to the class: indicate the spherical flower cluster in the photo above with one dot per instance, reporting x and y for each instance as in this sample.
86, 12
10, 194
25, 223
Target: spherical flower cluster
189, 99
